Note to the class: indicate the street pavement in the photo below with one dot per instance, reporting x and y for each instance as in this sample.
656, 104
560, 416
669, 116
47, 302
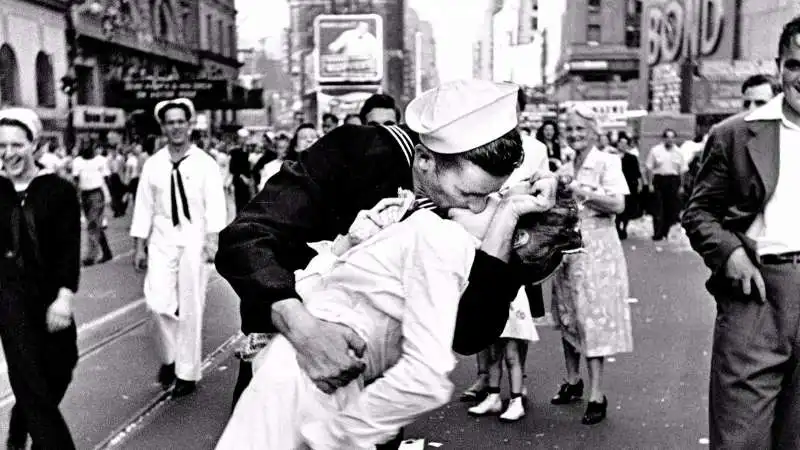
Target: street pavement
657, 394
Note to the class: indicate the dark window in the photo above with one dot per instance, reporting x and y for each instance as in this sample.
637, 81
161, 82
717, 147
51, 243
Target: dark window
84, 94
45, 85
534, 23
593, 33
163, 22
9, 76
232, 41
594, 6
220, 37
633, 23
209, 33
632, 37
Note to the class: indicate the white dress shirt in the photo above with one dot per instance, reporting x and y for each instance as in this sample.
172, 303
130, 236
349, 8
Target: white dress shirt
399, 291
775, 228
535, 160
661, 161
51, 162
601, 171
92, 173
152, 215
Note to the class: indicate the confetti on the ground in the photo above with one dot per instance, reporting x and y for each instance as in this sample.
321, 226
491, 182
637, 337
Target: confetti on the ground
611, 359
435, 444
703, 441
412, 444
632, 300
222, 368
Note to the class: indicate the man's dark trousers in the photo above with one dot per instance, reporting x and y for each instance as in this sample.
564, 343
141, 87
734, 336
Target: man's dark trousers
755, 382
246, 374
668, 204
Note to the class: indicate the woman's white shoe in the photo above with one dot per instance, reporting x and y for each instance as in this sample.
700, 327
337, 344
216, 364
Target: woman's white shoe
492, 404
515, 410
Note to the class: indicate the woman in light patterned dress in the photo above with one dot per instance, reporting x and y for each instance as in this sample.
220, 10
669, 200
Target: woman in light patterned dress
590, 289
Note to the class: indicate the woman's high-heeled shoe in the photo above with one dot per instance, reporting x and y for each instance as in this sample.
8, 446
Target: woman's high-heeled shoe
568, 393
595, 412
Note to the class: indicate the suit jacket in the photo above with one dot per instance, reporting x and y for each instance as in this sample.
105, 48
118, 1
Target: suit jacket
736, 179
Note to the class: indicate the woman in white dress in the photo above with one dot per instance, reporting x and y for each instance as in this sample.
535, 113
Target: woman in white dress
399, 290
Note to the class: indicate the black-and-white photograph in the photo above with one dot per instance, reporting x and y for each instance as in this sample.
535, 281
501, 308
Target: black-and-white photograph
399, 224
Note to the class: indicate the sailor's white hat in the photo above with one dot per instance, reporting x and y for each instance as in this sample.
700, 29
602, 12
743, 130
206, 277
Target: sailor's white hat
182, 102
461, 115
27, 117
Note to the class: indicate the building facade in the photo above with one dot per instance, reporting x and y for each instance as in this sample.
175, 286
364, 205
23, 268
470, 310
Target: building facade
217, 47
133, 53
697, 65
313, 98
33, 58
598, 49
420, 63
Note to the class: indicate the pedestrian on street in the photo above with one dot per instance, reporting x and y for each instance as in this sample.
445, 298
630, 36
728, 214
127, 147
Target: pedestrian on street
40, 241
633, 176
590, 290
665, 165
116, 166
742, 219
348, 170
180, 209
90, 170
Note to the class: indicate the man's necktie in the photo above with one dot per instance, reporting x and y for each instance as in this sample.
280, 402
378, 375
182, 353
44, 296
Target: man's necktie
175, 178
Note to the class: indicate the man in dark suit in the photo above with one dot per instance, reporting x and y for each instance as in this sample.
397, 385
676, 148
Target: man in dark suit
742, 219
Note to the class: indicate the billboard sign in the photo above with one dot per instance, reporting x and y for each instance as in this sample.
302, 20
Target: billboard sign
349, 48
608, 113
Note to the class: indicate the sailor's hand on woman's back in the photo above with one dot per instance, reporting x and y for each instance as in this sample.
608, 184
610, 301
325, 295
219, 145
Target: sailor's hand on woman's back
331, 354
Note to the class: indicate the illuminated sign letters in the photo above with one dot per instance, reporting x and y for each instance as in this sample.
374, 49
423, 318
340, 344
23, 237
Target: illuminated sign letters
669, 29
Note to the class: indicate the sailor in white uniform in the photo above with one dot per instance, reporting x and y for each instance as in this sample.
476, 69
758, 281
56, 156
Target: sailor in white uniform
179, 211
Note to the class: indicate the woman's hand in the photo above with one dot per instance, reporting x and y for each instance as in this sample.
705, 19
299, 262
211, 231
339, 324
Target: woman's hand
388, 211
59, 314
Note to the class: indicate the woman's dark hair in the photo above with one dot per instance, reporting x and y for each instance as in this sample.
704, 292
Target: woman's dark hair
87, 149
351, 116
379, 101
16, 123
624, 135
554, 151
550, 235
499, 157
292, 153
330, 116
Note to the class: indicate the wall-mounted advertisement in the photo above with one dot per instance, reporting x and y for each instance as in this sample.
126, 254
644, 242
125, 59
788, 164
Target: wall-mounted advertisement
349, 48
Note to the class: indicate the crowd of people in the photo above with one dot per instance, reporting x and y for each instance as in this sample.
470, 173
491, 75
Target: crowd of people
370, 252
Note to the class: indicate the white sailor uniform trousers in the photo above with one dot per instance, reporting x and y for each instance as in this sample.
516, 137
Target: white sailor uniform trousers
177, 204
